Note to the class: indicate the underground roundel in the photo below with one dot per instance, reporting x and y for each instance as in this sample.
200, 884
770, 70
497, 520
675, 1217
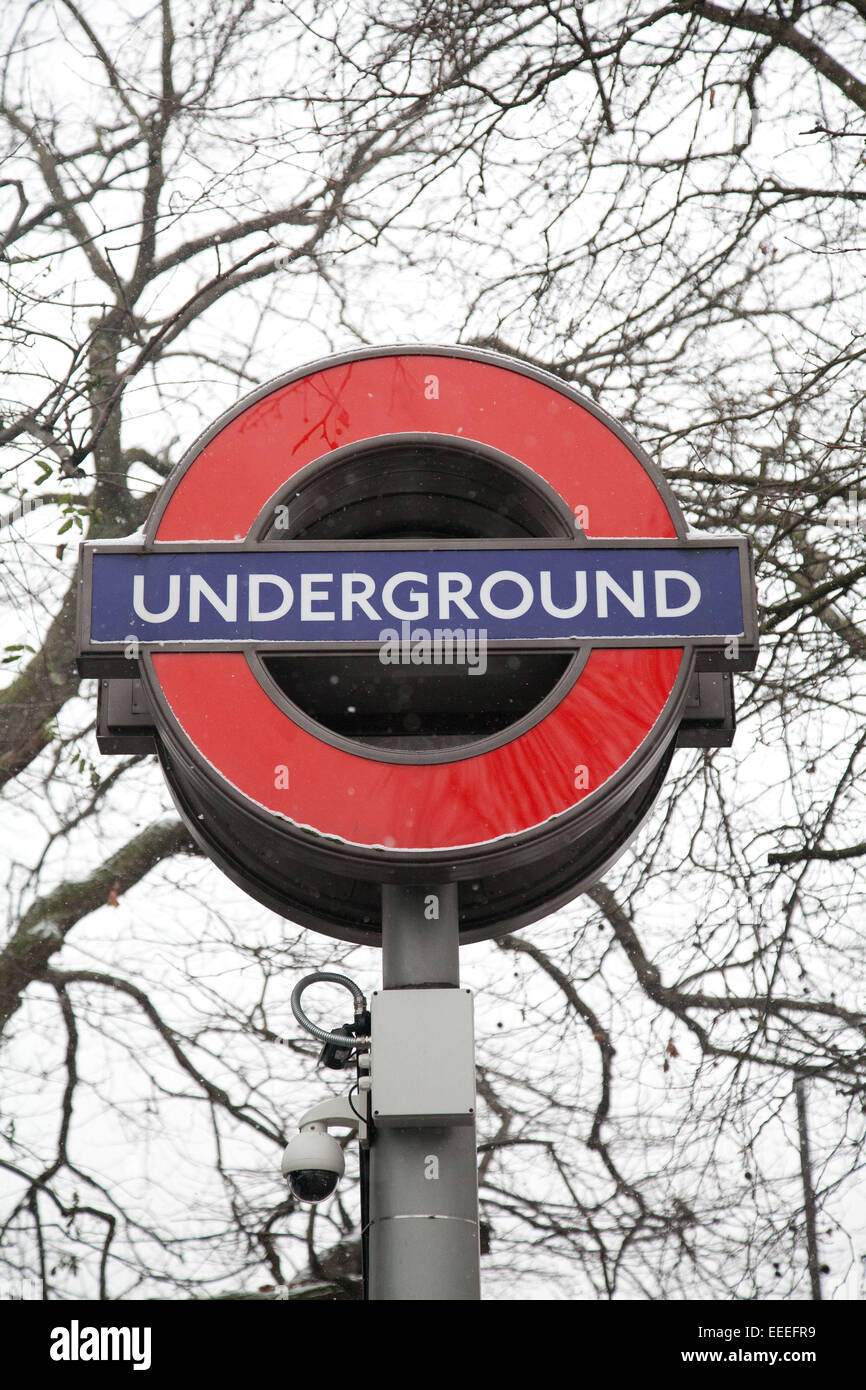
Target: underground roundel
415, 615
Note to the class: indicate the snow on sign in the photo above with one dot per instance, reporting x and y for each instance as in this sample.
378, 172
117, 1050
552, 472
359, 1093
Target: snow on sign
415, 614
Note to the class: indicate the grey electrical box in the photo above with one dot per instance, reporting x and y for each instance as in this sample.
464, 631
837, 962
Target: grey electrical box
422, 1057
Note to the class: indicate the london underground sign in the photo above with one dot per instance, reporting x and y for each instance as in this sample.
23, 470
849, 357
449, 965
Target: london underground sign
324, 573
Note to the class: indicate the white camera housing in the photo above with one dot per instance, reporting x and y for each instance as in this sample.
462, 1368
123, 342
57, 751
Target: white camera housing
313, 1161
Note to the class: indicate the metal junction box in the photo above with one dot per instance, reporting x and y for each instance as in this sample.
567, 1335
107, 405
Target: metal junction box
422, 1057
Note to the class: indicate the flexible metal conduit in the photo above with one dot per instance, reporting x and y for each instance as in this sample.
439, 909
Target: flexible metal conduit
327, 977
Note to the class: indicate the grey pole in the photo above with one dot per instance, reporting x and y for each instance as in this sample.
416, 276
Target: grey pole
423, 1180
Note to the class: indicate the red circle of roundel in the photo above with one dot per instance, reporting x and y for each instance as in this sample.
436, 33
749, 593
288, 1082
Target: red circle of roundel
254, 744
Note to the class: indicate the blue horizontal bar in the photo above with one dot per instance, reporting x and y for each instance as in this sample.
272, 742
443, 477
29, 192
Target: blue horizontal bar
328, 596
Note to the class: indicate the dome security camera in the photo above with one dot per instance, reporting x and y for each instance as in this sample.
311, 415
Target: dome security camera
313, 1163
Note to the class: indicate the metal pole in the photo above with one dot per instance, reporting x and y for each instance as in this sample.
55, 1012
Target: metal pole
423, 1180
